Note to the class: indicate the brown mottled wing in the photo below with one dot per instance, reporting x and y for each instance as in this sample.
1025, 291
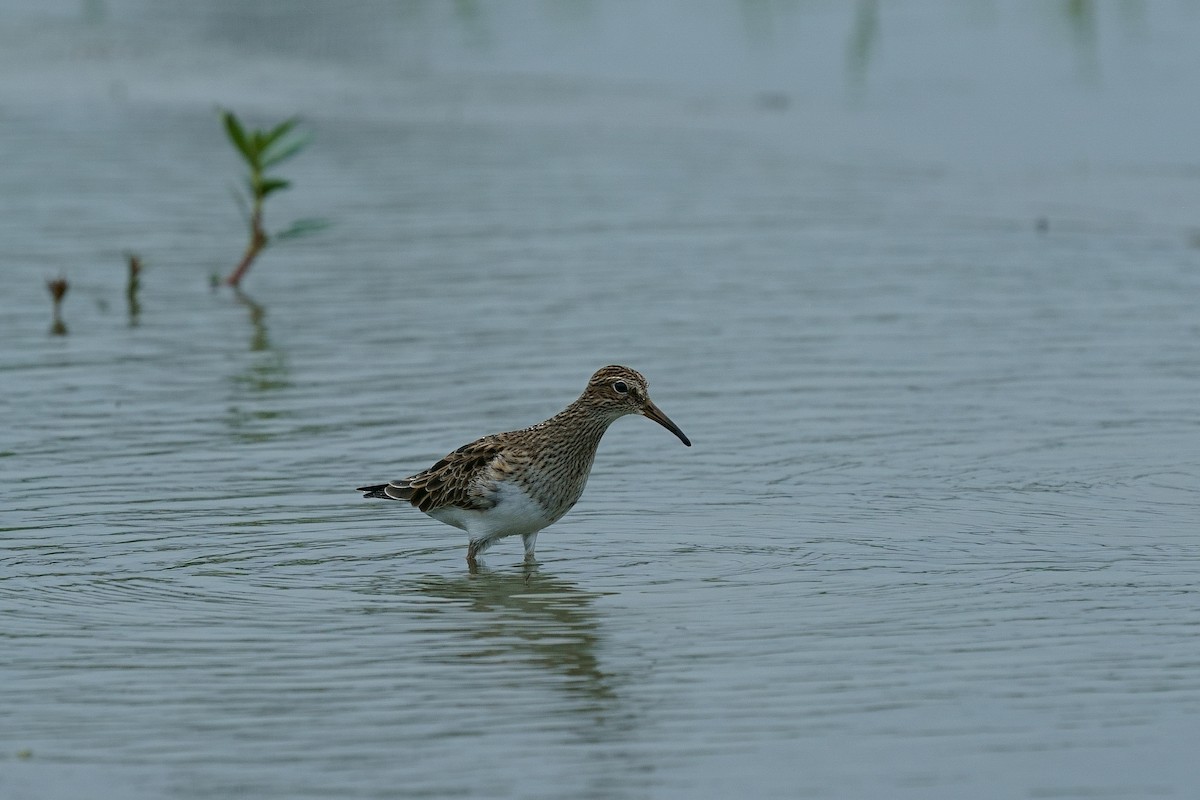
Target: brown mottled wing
463, 478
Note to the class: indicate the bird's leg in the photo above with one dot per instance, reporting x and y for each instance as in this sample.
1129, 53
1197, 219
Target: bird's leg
529, 540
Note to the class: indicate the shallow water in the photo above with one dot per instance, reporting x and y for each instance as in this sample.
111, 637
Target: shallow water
936, 536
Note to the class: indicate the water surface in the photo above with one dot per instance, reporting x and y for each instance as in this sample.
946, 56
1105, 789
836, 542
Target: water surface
919, 284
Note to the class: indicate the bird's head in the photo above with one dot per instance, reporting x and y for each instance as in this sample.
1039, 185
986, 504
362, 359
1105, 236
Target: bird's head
620, 390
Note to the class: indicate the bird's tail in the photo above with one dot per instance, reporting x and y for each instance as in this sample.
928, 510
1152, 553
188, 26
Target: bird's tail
388, 491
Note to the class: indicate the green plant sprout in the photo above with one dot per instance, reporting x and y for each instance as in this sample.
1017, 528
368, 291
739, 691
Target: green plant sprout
262, 150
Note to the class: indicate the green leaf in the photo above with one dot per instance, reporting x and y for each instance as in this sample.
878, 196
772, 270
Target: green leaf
237, 135
269, 185
303, 227
286, 150
279, 131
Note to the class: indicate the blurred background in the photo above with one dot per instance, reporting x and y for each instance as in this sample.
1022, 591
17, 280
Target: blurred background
919, 280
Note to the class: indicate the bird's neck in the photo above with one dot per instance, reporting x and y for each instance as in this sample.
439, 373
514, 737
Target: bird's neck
586, 425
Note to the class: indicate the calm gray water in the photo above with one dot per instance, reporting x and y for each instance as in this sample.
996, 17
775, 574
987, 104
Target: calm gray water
937, 537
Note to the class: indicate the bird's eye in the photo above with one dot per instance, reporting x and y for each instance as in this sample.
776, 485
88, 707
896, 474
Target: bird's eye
620, 387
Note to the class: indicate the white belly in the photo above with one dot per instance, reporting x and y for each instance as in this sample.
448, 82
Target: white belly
515, 514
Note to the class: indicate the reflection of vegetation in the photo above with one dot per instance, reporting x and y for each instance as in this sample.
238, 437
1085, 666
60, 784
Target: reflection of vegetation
267, 371
262, 150
94, 12
271, 370
543, 621
58, 290
1082, 17
863, 37
469, 13
757, 21
258, 321
1081, 14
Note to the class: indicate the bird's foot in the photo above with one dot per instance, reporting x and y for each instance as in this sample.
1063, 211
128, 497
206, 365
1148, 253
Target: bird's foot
473, 551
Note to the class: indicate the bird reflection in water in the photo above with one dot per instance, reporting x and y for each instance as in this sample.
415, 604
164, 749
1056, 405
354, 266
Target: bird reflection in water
547, 622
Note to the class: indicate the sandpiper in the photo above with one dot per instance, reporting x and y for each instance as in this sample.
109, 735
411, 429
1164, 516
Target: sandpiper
517, 483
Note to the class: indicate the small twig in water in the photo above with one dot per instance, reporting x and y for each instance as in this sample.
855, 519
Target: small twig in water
58, 290
133, 285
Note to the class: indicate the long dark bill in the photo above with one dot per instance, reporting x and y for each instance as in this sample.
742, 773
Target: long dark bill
655, 413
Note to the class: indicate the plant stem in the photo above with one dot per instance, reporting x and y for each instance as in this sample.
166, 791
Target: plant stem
261, 150
258, 240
